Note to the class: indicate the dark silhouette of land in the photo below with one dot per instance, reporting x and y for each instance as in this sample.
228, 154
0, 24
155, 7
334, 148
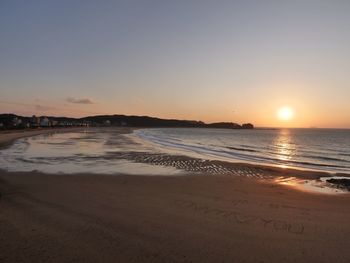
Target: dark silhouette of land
15, 121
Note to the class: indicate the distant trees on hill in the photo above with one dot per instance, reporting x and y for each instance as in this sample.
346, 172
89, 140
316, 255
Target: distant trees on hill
8, 121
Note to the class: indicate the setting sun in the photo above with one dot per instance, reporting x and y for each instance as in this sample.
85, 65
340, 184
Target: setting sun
285, 113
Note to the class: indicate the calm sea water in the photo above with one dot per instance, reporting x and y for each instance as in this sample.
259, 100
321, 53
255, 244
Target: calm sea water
316, 149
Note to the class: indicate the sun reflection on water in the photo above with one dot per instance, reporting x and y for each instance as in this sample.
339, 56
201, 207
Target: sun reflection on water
284, 146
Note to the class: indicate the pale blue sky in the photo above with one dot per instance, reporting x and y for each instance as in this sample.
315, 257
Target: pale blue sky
209, 60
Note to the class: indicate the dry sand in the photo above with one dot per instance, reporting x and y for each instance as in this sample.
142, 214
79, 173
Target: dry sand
198, 218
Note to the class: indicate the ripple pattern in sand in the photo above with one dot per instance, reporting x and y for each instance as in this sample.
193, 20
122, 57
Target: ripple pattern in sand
191, 164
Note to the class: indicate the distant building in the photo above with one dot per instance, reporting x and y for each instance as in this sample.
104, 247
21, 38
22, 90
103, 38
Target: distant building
16, 122
54, 123
107, 123
45, 122
35, 121
1, 125
65, 124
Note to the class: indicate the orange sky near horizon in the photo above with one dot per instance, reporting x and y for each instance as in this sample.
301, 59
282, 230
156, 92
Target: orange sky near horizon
263, 114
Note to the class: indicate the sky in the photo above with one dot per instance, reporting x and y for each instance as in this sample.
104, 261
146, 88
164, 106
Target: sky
238, 61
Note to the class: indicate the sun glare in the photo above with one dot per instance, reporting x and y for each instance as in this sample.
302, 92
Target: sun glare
285, 113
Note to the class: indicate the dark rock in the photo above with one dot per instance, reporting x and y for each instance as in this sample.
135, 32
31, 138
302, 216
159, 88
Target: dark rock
341, 183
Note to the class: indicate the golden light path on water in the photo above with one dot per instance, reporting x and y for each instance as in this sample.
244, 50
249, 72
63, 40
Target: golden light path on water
284, 146
285, 151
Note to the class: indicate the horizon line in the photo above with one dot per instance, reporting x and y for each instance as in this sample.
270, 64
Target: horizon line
256, 127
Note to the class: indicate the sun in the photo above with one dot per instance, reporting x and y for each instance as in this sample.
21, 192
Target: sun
285, 113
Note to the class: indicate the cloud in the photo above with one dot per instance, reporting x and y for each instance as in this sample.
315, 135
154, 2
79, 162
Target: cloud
79, 100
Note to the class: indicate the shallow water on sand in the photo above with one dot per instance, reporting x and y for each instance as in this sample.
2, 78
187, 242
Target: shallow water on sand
90, 151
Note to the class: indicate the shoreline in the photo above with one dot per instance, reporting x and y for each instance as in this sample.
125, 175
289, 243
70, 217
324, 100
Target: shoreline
9, 137
303, 172
187, 163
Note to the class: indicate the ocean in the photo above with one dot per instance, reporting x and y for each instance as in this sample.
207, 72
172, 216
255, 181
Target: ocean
312, 149
157, 151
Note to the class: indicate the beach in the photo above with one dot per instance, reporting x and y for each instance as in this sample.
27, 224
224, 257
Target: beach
200, 217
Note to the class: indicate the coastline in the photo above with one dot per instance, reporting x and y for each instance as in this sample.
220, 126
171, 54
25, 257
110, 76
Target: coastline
199, 218
186, 163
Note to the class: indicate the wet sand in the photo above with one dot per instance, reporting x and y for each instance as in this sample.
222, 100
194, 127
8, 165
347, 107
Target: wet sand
195, 218
8, 137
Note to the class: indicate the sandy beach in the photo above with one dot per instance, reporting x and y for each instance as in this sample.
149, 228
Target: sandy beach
194, 218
